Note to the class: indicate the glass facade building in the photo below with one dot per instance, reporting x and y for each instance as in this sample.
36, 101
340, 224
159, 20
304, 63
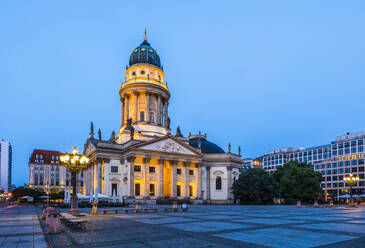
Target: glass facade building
341, 157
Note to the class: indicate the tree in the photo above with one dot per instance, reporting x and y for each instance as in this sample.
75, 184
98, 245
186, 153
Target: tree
24, 191
298, 181
255, 186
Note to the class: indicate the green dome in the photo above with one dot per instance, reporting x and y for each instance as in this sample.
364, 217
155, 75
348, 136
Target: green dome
145, 54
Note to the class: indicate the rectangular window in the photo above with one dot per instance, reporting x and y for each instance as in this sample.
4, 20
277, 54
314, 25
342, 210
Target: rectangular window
361, 149
353, 143
334, 172
353, 149
152, 189
137, 189
361, 168
340, 152
347, 144
114, 169
152, 169
191, 172
191, 190
137, 168
334, 165
347, 163
323, 166
360, 142
347, 150
340, 171
340, 164
328, 166
347, 170
354, 162
178, 190
178, 171
354, 169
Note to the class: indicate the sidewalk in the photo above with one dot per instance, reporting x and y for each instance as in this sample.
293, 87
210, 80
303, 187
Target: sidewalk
20, 228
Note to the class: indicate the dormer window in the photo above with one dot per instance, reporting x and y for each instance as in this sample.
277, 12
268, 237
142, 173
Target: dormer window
142, 72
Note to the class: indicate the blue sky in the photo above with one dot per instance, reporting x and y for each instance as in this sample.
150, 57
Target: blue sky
260, 74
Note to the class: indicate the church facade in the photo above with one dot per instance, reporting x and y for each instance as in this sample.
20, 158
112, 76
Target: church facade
145, 160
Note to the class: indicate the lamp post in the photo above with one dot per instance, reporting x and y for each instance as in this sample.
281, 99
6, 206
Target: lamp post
351, 181
74, 163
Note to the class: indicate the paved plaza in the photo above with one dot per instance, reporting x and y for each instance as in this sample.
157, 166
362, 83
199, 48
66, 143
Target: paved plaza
20, 228
222, 226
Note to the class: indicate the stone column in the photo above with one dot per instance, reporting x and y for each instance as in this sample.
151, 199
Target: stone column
208, 183
99, 175
186, 179
135, 106
122, 110
131, 175
166, 112
173, 178
229, 182
126, 108
158, 110
198, 180
148, 107
146, 161
161, 178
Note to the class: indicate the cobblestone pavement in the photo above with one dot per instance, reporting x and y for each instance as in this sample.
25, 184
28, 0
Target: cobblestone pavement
20, 227
222, 226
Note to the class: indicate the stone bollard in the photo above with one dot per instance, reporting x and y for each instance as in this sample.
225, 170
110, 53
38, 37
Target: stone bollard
184, 207
138, 207
315, 204
54, 221
94, 209
47, 214
299, 204
174, 206
331, 204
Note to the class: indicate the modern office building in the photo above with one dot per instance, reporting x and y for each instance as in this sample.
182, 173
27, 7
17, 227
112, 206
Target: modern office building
5, 166
46, 174
248, 163
341, 157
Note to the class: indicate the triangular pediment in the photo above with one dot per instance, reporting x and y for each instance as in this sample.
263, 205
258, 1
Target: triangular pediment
89, 148
169, 145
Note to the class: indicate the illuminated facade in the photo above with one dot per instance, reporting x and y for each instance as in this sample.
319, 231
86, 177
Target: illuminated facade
46, 174
341, 157
145, 161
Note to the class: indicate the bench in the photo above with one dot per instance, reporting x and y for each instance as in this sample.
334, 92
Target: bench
171, 209
125, 210
73, 221
148, 209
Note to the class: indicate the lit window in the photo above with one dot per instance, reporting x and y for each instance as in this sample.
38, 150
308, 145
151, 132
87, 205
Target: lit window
143, 49
136, 50
151, 51
347, 157
353, 156
340, 158
361, 155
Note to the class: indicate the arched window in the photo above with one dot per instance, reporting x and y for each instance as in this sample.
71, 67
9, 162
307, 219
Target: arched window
218, 183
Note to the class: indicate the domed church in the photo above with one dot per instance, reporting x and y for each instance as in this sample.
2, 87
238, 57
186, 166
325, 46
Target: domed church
145, 161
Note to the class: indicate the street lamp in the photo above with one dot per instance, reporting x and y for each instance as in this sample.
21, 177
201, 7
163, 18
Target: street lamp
351, 181
74, 163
